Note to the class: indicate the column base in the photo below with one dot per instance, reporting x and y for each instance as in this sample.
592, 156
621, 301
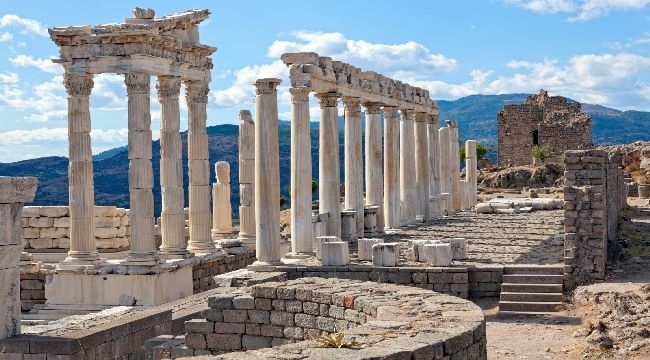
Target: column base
299, 255
141, 259
172, 254
207, 247
78, 260
247, 241
219, 234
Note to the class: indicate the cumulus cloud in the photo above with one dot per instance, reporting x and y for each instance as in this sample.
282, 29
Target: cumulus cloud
583, 10
409, 58
242, 90
26, 26
45, 65
615, 80
6, 37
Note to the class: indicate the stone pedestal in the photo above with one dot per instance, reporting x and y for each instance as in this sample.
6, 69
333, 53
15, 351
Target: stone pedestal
391, 169
386, 254
335, 253
438, 254
408, 193
458, 248
416, 252
81, 189
301, 228
374, 165
321, 240
364, 248
348, 225
329, 183
142, 250
172, 229
267, 173
246, 180
370, 221
14, 191
221, 207
353, 164
199, 169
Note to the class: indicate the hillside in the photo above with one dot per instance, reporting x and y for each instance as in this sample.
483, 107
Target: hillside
476, 116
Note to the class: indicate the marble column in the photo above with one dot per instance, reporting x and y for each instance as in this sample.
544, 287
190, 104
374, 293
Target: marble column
267, 173
199, 169
471, 171
445, 177
329, 182
374, 165
434, 165
142, 245
221, 207
408, 198
454, 158
422, 175
246, 179
14, 192
392, 219
353, 165
83, 251
301, 228
172, 217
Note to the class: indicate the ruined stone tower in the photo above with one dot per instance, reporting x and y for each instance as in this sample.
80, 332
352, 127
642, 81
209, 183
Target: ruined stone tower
542, 120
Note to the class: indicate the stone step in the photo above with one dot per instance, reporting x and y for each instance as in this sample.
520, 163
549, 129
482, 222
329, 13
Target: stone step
533, 279
526, 314
531, 297
532, 288
536, 270
530, 306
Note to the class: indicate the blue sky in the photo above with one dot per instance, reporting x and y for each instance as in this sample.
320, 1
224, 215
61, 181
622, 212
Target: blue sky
594, 51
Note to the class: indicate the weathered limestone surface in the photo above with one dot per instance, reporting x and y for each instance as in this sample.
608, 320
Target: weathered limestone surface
434, 165
471, 171
373, 163
438, 254
349, 225
454, 165
221, 208
408, 195
392, 214
172, 227
422, 171
301, 228
321, 240
353, 163
364, 248
267, 173
445, 170
385, 254
370, 221
334, 253
246, 179
14, 191
329, 182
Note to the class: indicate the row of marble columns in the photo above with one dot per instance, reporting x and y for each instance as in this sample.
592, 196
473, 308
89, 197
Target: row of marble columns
143, 250
419, 167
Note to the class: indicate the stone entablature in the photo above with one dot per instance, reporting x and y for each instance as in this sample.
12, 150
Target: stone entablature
542, 120
166, 45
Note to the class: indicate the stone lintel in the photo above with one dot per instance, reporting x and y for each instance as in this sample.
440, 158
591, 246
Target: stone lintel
138, 63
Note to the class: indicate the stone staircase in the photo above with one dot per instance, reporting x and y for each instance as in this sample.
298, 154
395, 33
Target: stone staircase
531, 290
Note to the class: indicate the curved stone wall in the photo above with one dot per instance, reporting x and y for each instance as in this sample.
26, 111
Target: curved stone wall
388, 320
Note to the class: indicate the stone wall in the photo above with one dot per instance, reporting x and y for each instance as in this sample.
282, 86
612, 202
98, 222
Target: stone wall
32, 290
48, 227
204, 272
274, 314
558, 124
594, 194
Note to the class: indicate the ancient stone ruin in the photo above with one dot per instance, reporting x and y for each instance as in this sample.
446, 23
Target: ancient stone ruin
543, 120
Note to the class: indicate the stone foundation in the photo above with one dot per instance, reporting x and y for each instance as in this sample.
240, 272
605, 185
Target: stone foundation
421, 323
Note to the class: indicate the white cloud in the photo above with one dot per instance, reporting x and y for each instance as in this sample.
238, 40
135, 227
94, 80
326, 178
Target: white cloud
409, 58
583, 10
19, 137
545, 6
6, 37
9, 78
615, 80
26, 25
242, 90
45, 65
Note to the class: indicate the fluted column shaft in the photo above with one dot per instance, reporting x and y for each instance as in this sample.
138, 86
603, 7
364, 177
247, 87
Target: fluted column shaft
83, 250
246, 179
267, 172
422, 175
392, 215
471, 170
143, 246
329, 182
172, 227
445, 177
408, 194
374, 165
301, 228
198, 168
434, 164
454, 158
353, 165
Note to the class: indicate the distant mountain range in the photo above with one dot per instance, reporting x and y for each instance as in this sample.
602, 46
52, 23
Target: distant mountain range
476, 117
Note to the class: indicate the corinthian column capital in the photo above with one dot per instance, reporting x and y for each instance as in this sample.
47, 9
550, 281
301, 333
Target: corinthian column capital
196, 92
372, 108
352, 103
328, 99
137, 83
299, 94
78, 84
168, 87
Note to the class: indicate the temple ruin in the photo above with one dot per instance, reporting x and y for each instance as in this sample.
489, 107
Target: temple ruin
543, 120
